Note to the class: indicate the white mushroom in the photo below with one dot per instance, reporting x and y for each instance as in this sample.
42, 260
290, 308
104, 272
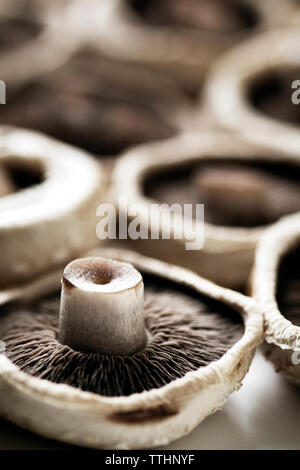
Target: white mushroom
186, 44
270, 60
34, 35
98, 104
47, 223
275, 285
183, 373
230, 235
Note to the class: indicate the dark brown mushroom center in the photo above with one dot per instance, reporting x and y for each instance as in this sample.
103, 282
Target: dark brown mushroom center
186, 331
99, 115
99, 274
288, 286
225, 16
235, 194
16, 32
271, 93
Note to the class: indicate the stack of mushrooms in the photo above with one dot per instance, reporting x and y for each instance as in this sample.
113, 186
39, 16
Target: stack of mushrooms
132, 343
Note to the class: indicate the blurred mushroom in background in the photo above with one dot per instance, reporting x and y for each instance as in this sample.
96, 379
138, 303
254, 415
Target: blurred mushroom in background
50, 192
243, 187
35, 37
99, 105
183, 37
254, 89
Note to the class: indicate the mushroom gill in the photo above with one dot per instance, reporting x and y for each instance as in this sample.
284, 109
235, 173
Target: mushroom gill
185, 331
101, 109
236, 194
288, 286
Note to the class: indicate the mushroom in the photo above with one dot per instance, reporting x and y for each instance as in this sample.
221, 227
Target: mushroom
251, 89
50, 217
275, 285
99, 105
20, 22
183, 37
32, 38
243, 187
102, 368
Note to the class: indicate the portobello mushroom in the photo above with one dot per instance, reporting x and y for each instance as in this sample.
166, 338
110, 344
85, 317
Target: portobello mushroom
99, 105
183, 37
244, 188
275, 284
49, 215
251, 89
101, 368
20, 21
32, 38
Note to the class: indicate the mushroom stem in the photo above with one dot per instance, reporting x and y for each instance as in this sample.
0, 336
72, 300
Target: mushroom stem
232, 190
6, 184
101, 308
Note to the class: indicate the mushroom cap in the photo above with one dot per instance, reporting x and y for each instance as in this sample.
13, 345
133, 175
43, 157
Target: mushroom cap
46, 49
228, 252
140, 420
98, 104
48, 223
226, 88
185, 53
282, 337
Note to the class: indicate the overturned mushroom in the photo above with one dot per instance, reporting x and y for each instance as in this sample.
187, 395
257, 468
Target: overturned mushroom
50, 215
251, 89
117, 372
183, 37
99, 105
19, 22
275, 285
32, 38
243, 188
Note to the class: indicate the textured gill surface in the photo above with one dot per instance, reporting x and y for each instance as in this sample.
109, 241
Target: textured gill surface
288, 287
185, 334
